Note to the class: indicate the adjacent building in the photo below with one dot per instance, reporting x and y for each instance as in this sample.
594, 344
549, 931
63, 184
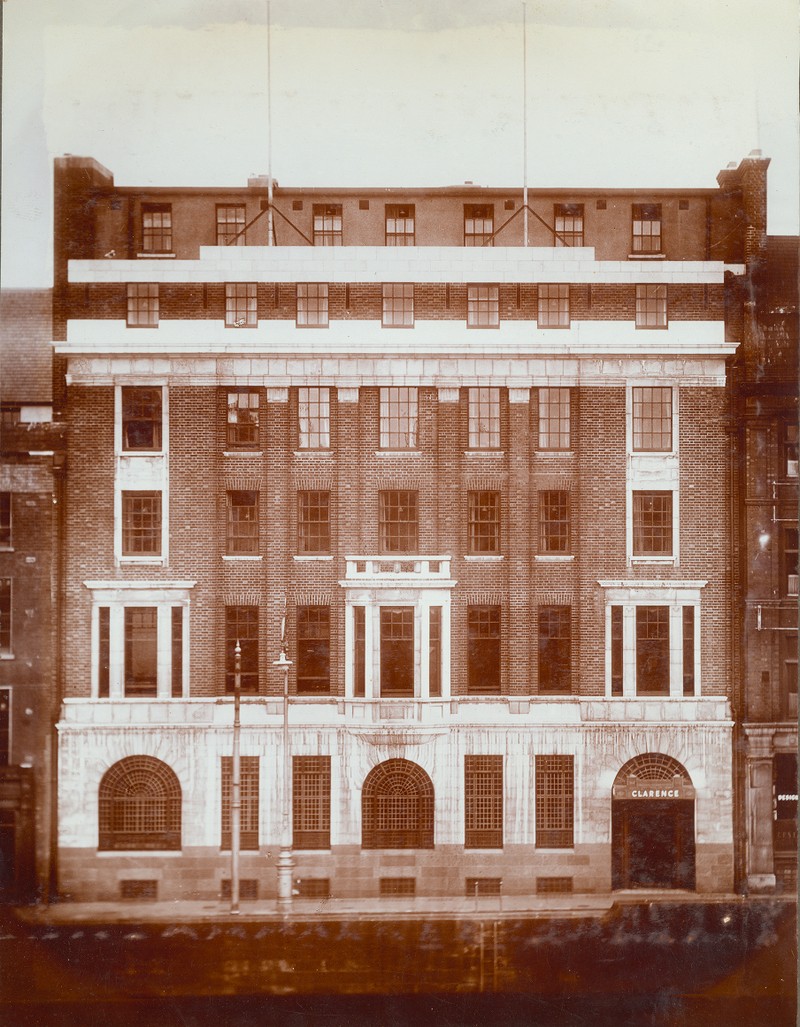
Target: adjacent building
453, 476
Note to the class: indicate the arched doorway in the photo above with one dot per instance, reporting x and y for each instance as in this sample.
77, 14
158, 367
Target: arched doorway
397, 807
139, 806
652, 825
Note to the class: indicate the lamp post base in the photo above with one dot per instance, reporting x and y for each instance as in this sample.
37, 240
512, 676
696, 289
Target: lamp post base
285, 880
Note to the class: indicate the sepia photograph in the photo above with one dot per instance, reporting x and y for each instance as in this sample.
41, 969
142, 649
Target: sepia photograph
399, 513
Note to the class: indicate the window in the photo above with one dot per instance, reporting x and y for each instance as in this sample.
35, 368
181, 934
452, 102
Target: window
553, 309
483, 306
398, 305
241, 625
484, 418
652, 419
554, 522
484, 522
652, 650
5, 726
243, 420
398, 522
176, 631
397, 651
5, 520
248, 794
789, 446
230, 224
399, 224
478, 224
5, 616
242, 535
313, 650
141, 651
359, 651
240, 305
142, 306
568, 224
554, 802
139, 806
314, 410
141, 523
617, 651
104, 652
483, 802
555, 646
312, 305
788, 677
398, 417
141, 418
790, 579
157, 227
652, 524
647, 228
554, 419
435, 651
688, 650
311, 802
327, 224
651, 306
313, 522
397, 807
483, 650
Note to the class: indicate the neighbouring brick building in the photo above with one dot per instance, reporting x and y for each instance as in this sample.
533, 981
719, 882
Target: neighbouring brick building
479, 490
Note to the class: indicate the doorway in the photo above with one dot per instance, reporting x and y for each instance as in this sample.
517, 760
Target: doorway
653, 843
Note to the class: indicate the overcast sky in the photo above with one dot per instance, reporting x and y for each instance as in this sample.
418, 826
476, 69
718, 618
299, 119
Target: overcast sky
642, 93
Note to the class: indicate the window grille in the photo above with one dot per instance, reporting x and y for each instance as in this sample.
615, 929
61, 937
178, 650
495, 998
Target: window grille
248, 889
475, 886
398, 521
651, 306
646, 227
688, 650
553, 885
5, 520
312, 305
243, 420
553, 306
398, 417
435, 651
143, 890
652, 650
568, 224
249, 794
484, 522
478, 224
241, 624
483, 306
311, 802
142, 306
397, 807
242, 537
313, 522
554, 527
314, 888
484, 418
554, 802
5, 615
397, 886
652, 524
398, 305
157, 227
652, 419
141, 651
141, 523
483, 650
397, 651
141, 418
400, 220
554, 419
230, 225
555, 641
313, 650
5, 726
139, 806
314, 412
483, 797
327, 220
241, 305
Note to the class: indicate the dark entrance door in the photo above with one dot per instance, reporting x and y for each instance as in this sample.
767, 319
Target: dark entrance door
7, 856
653, 843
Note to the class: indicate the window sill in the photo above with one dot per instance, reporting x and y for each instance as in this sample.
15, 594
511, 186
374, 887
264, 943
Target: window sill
156, 256
129, 325
482, 453
547, 328
240, 328
236, 556
127, 853
6, 549
666, 561
651, 328
398, 452
303, 327
549, 454
484, 558
146, 561
7, 656
554, 557
647, 256
311, 558
313, 452
654, 452
141, 452
242, 452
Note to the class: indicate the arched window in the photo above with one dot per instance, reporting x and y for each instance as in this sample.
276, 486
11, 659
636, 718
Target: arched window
140, 806
397, 807
654, 766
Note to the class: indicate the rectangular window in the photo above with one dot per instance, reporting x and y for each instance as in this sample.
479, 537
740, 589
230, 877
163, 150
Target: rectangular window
240, 305
435, 651
243, 420
5, 520
314, 522
400, 224
314, 413
241, 625
652, 524
789, 677
311, 802
789, 446
646, 219
312, 305
688, 650
359, 652
555, 650
555, 801
652, 650
483, 306
313, 650
5, 615
143, 306
554, 528
242, 533
230, 224
554, 419
104, 652
141, 523
398, 522
652, 419
248, 795
327, 224
651, 306
483, 650
553, 309
398, 305
483, 802
484, 522
177, 651
399, 408
157, 227
5, 727
141, 418
478, 224
484, 418
790, 579
141, 651
397, 651
617, 650
568, 224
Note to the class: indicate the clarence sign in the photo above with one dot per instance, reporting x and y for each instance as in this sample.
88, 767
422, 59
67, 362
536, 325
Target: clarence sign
635, 788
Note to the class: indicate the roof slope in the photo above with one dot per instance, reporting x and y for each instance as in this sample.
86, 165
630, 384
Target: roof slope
26, 352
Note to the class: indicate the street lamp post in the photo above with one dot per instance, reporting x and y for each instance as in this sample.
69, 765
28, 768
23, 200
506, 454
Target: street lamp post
285, 859
236, 781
